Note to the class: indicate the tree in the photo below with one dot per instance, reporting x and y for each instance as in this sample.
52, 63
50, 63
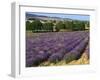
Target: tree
60, 25
28, 26
68, 25
36, 25
48, 26
78, 25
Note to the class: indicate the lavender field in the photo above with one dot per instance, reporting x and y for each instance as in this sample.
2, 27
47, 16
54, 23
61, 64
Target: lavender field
56, 48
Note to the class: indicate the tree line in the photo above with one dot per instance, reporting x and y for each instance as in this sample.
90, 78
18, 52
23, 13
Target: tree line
51, 26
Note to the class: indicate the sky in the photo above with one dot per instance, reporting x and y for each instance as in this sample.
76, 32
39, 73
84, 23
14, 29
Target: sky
62, 15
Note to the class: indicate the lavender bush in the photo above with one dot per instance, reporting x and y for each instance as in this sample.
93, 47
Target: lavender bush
55, 46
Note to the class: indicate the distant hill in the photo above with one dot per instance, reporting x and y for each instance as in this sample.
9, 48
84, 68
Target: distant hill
42, 17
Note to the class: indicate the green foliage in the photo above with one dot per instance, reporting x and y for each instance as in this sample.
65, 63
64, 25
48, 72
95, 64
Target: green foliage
78, 25
28, 25
87, 23
37, 25
60, 25
48, 26
68, 25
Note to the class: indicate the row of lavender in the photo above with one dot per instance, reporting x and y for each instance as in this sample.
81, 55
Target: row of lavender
55, 47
